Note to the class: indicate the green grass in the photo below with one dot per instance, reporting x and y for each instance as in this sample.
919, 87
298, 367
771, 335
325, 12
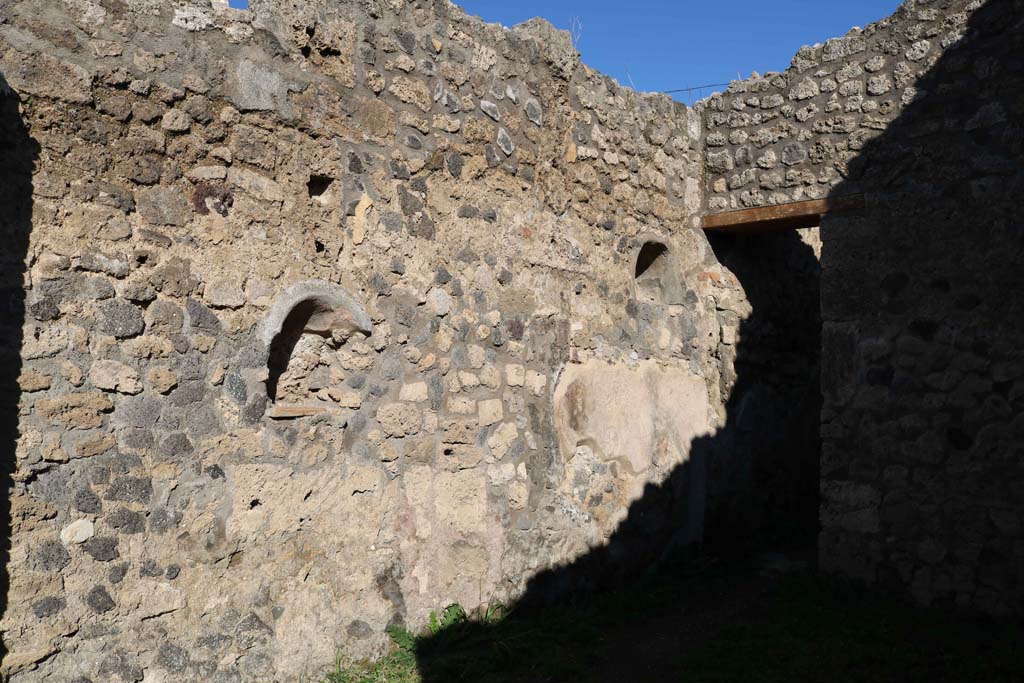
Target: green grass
398, 667
798, 628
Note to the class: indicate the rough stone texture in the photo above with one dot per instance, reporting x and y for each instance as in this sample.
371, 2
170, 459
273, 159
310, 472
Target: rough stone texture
817, 116
922, 435
303, 283
296, 317
921, 471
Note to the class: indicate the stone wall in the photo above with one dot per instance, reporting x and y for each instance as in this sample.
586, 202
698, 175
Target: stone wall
314, 315
922, 376
799, 134
922, 468
324, 316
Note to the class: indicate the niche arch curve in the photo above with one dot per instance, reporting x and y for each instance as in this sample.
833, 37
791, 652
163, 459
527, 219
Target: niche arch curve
311, 307
657, 271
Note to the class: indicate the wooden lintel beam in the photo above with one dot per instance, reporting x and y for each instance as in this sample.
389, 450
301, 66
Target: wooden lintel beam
806, 214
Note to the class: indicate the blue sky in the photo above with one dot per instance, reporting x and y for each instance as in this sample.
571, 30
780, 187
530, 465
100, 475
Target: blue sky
669, 44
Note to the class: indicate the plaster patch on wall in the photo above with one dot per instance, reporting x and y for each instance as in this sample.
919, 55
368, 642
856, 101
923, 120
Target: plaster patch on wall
643, 416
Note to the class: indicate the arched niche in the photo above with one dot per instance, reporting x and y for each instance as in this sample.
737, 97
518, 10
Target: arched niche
656, 273
307, 322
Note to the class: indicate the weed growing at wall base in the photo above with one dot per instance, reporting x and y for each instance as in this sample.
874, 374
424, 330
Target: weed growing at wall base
401, 665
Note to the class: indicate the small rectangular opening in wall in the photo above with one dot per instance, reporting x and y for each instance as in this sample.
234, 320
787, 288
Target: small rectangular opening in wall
792, 216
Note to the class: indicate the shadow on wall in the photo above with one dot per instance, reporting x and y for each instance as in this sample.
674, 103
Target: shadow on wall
18, 153
923, 460
930, 277
764, 475
769, 441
